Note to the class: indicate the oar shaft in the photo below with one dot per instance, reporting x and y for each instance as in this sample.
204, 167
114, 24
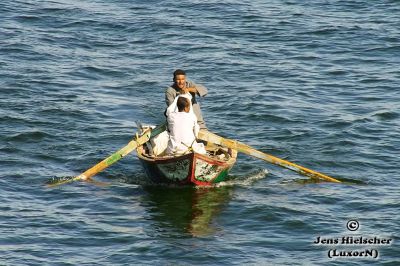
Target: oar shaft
113, 158
132, 145
241, 147
286, 164
108, 161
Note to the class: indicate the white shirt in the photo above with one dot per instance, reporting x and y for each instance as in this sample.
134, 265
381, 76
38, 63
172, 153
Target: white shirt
183, 129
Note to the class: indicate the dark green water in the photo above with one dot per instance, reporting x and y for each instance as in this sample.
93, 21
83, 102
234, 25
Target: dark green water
315, 83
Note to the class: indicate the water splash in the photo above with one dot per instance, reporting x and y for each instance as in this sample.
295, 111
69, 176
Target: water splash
245, 180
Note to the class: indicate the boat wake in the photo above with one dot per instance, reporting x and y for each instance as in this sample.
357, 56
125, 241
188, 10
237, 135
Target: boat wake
234, 180
245, 180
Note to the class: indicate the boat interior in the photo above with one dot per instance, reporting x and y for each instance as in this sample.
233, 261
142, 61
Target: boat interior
156, 149
213, 151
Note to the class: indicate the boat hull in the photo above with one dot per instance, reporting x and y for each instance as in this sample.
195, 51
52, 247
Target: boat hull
189, 169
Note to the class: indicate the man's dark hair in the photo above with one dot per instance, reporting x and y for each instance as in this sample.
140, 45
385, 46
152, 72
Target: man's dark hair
179, 72
182, 103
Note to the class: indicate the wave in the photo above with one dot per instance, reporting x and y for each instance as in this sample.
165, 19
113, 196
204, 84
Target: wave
34, 135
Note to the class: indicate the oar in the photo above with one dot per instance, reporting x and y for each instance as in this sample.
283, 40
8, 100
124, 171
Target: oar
113, 158
241, 147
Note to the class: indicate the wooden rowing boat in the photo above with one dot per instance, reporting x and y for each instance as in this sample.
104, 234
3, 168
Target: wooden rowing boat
192, 168
188, 169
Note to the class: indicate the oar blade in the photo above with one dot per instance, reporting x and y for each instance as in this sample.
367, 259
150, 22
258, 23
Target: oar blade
56, 181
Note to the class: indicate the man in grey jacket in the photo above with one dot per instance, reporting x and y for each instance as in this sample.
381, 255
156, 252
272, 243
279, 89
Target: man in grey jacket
182, 86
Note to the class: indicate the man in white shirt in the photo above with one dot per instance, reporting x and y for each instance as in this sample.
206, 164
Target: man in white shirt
183, 129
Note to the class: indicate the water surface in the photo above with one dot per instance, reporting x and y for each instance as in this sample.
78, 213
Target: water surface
315, 83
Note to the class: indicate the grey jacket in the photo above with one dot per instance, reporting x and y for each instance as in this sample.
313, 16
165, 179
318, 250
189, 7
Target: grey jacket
171, 93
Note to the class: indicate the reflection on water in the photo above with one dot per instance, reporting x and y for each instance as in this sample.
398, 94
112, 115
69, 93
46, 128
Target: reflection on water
186, 209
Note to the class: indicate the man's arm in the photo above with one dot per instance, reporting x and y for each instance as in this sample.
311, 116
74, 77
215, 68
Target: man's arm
197, 88
170, 95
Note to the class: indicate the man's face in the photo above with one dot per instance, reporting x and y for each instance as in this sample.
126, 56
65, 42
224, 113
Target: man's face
180, 81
